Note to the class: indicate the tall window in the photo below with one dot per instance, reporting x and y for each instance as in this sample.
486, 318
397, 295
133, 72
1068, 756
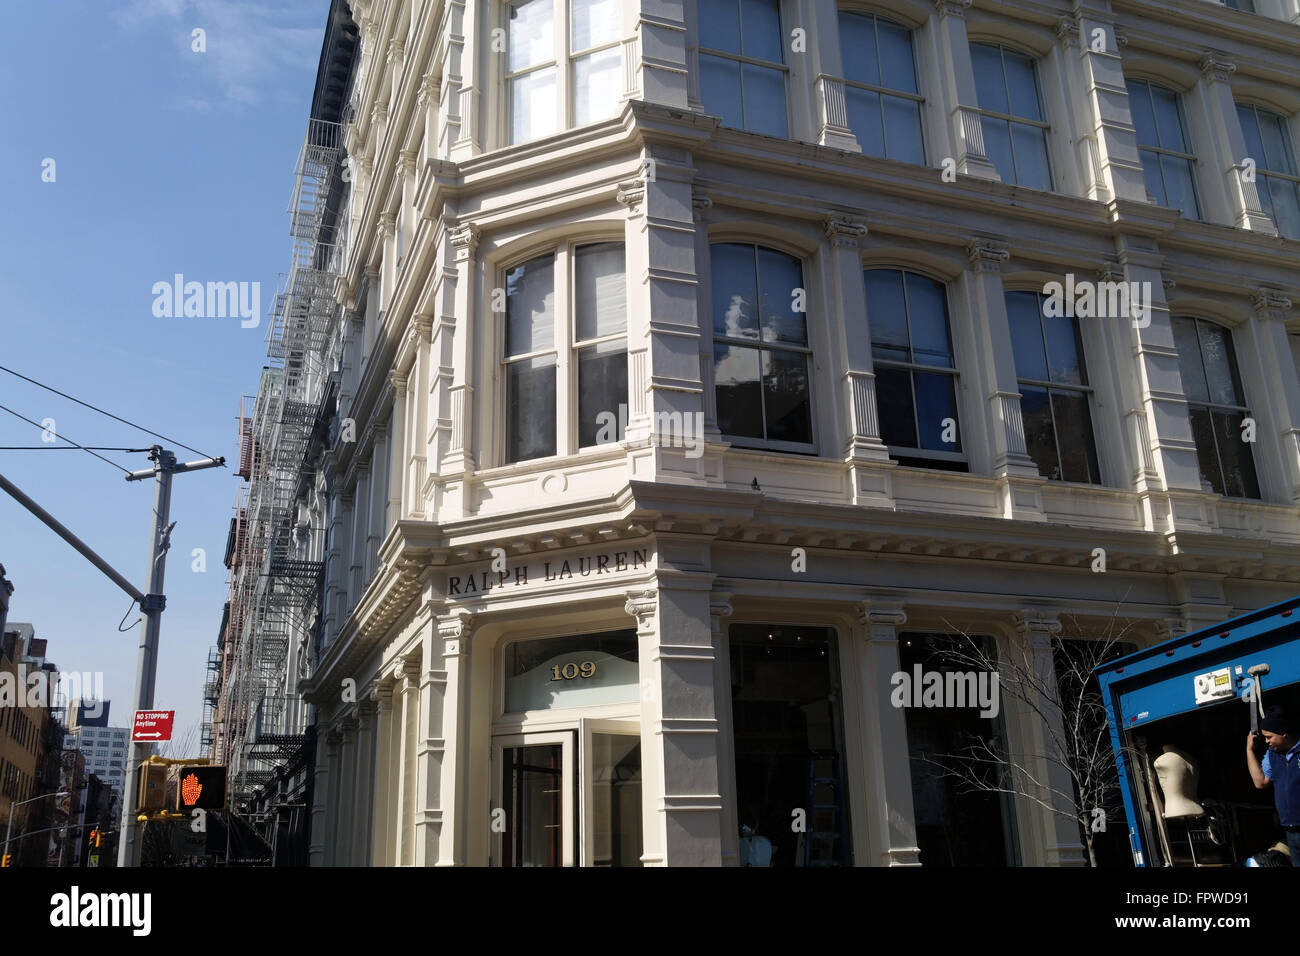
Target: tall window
760, 347
742, 64
1216, 406
565, 353
1162, 144
1269, 144
916, 377
542, 98
880, 88
1015, 134
1054, 392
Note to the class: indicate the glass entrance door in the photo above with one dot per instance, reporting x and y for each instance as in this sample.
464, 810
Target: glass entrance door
535, 816
611, 793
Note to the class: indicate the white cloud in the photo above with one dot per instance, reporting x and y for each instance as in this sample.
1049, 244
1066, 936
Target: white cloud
249, 45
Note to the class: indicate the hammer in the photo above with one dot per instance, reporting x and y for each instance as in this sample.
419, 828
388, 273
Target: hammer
1257, 704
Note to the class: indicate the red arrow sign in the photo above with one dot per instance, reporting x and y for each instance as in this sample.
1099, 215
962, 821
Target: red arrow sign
153, 725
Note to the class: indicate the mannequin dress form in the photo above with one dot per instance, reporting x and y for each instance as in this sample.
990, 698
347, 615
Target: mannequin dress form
1178, 775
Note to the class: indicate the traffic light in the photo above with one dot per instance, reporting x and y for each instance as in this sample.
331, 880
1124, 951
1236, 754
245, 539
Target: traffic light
6, 860
201, 787
153, 786
96, 838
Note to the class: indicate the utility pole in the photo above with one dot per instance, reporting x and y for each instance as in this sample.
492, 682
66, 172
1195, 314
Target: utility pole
165, 465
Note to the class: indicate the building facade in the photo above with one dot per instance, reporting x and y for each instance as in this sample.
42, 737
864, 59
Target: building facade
698, 369
106, 749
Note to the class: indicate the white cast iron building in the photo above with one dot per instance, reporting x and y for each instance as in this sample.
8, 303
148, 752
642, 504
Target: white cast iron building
696, 378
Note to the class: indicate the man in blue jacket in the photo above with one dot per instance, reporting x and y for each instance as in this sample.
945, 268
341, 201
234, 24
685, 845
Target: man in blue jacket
1281, 770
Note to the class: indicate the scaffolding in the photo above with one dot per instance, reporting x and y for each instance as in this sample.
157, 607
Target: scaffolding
276, 562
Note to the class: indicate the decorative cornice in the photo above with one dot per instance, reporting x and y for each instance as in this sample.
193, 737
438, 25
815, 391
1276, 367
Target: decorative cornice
1271, 302
464, 237
1038, 621
399, 382
882, 611
396, 50
952, 8
1067, 31
1111, 272
987, 255
642, 605
430, 87
456, 626
387, 224
1215, 68
631, 193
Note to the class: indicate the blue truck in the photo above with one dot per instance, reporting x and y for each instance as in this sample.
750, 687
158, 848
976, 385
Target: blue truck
1179, 713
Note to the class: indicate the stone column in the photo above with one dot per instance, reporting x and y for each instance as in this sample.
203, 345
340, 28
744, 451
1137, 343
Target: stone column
1223, 149
384, 782
399, 449
962, 136
430, 748
682, 808
831, 120
462, 79
364, 799
995, 379
321, 850
409, 729
360, 515
460, 396
891, 818
418, 446
346, 818
1269, 375
454, 634
1041, 734
720, 608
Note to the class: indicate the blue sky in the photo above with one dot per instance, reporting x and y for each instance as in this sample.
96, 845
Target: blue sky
166, 161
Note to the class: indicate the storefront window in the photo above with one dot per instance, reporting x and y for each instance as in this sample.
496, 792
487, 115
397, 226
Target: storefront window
583, 671
961, 817
785, 698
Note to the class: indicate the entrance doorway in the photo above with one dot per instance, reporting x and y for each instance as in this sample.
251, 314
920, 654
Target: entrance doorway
569, 797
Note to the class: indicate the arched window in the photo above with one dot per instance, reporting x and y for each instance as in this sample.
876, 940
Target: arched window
916, 377
1015, 133
1216, 406
1054, 392
565, 351
742, 64
880, 88
1268, 143
760, 347
1163, 146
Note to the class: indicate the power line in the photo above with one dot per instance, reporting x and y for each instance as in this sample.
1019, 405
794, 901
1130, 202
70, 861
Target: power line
66, 448
65, 438
124, 421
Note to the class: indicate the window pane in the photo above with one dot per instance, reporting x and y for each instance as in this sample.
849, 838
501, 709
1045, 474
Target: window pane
897, 71
1250, 129
1144, 118
864, 119
858, 49
1022, 85
1151, 175
887, 314
903, 130
764, 100
1277, 148
600, 292
1284, 198
720, 25
1220, 365
1239, 478
1064, 352
530, 405
597, 86
785, 396
1178, 181
997, 145
894, 401
1024, 313
936, 401
1031, 156
1207, 455
602, 393
720, 90
990, 85
532, 106
928, 313
1167, 120
530, 38
760, 25
595, 23
1074, 432
1189, 358
735, 291
530, 306
778, 277
1040, 438
736, 384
